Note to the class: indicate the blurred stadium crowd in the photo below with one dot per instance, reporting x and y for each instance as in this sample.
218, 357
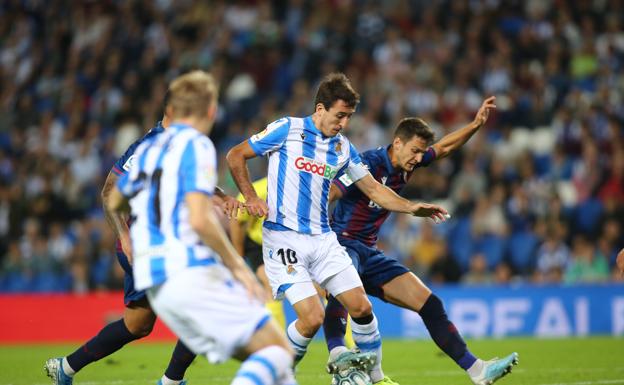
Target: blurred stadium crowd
537, 195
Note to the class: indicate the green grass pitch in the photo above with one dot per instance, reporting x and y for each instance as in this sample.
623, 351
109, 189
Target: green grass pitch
587, 361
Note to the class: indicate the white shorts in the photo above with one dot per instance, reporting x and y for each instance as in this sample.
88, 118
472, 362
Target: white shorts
291, 258
208, 310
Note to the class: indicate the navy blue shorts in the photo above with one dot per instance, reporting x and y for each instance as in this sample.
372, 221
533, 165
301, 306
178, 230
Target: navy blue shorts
374, 267
130, 294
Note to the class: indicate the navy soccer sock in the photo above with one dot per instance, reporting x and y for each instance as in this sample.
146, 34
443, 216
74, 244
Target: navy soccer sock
110, 339
444, 333
335, 323
181, 359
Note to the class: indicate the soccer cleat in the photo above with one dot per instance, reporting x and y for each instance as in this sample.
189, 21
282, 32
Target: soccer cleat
386, 381
495, 369
351, 359
183, 382
54, 369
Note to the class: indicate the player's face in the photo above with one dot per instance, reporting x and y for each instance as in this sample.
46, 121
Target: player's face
336, 118
410, 153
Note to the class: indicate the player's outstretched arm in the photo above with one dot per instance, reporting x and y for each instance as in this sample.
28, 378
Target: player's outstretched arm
237, 161
204, 222
619, 261
117, 220
456, 139
391, 201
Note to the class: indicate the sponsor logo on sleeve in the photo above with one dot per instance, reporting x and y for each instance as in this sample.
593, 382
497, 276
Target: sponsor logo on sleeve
129, 163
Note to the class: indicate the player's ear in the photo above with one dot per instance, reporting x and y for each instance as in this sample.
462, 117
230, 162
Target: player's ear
397, 143
320, 107
168, 111
212, 112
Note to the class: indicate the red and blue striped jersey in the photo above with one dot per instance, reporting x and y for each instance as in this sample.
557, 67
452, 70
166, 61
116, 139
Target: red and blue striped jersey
355, 215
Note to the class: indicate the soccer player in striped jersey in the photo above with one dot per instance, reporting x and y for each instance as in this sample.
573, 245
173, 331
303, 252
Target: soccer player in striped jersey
357, 219
193, 277
305, 156
138, 317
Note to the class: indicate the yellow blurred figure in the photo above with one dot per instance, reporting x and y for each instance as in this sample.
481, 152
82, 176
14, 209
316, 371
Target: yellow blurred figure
246, 234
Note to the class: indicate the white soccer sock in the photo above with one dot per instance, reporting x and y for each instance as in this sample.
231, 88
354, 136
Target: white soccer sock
368, 339
298, 342
66, 368
476, 368
168, 381
335, 352
268, 366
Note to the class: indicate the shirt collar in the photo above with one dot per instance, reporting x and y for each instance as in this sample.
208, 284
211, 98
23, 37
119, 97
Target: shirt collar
386, 157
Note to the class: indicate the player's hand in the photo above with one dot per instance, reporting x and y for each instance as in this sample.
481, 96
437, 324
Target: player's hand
230, 206
126, 246
619, 261
244, 275
257, 207
427, 210
484, 111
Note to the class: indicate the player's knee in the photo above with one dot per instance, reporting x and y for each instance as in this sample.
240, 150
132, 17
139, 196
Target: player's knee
362, 308
141, 330
312, 322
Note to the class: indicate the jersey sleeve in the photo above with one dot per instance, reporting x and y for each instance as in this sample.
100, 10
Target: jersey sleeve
428, 157
123, 164
356, 170
129, 182
198, 167
271, 138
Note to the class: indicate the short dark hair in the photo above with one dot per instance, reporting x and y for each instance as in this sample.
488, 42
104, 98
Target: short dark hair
410, 127
336, 86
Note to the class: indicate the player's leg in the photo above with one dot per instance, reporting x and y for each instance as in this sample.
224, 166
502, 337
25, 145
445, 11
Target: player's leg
409, 292
267, 357
363, 321
340, 278
181, 359
287, 255
336, 317
309, 310
192, 304
138, 321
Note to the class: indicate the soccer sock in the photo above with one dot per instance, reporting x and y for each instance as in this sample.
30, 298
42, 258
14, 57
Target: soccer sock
110, 339
269, 366
367, 338
298, 342
444, 333
181, 359
335, 323
66, 368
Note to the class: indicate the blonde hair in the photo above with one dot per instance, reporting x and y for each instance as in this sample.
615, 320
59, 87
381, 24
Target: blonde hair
192, 94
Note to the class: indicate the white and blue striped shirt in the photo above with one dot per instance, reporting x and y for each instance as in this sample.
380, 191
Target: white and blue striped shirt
302, 164
175, 162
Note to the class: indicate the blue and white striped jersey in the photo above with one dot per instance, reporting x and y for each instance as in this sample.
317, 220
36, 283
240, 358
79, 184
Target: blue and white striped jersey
178, 161
302, 164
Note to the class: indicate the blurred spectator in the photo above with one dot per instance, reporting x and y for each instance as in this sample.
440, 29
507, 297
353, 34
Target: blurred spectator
587, 264
79, 84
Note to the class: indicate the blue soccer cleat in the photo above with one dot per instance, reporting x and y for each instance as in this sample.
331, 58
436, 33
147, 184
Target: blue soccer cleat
54, 369
495, 369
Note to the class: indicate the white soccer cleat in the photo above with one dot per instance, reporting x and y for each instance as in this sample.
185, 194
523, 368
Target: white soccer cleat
495, 369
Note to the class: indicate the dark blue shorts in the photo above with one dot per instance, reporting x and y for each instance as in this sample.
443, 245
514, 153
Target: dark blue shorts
130, 294
374, 267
